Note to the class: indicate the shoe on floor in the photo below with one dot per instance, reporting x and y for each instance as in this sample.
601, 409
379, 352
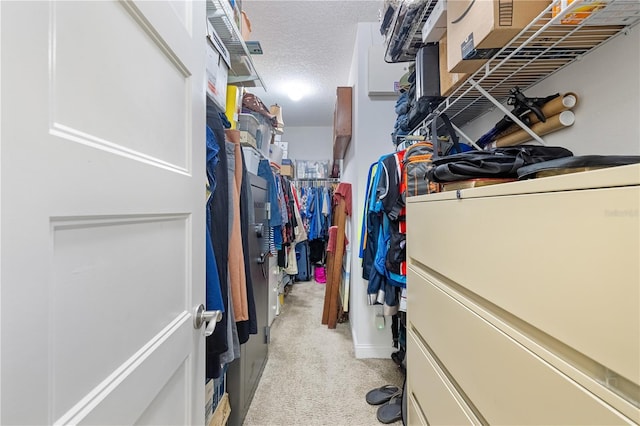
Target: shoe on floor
381, 395
392, 410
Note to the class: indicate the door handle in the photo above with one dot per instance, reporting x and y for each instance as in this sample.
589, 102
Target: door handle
263, 258
200, 316
259, 228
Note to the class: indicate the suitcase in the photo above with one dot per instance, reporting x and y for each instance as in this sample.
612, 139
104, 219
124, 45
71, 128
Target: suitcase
304, 264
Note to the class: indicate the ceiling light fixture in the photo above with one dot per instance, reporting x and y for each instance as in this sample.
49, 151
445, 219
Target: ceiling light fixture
295, 95
297, 90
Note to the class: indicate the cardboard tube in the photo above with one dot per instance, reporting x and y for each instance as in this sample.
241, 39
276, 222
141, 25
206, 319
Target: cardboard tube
551, 108
557, 122
556, 106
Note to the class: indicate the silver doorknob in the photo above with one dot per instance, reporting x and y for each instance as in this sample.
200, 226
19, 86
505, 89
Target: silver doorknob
200, 316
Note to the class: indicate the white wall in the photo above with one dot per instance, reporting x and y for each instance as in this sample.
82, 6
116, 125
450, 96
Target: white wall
607, 83
373, 121
309, 143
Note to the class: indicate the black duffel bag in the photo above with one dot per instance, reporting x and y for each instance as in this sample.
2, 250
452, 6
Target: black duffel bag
497, 163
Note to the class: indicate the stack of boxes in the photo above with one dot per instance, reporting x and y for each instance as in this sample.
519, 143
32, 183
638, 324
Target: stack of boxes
216, 399
477, 30
470, 32
208, 401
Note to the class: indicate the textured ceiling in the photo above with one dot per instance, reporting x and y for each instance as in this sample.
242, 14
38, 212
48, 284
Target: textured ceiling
310, 42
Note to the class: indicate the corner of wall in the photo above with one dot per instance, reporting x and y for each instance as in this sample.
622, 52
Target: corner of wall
373, 121
368, 350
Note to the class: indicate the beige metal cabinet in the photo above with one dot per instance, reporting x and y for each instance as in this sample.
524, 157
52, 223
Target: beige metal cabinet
524, 302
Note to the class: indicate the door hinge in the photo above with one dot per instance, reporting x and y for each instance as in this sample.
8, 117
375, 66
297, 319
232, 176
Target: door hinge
267, 210
267, 334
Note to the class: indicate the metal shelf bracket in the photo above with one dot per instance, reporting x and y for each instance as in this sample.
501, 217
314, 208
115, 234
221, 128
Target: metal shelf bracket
502, 108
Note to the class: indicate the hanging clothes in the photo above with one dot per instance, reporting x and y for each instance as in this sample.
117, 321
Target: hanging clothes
237, 273
213, 297
383, 245
221, 341
300, 232
369, 231
274, 233
300, 235
249, 326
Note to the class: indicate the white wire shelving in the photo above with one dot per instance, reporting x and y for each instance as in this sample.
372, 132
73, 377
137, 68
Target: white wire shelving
541, 49
242, 70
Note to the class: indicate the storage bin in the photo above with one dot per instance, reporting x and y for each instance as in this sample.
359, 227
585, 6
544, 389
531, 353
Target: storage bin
275, 154
252, 159
263, 134
312, 169
248, 123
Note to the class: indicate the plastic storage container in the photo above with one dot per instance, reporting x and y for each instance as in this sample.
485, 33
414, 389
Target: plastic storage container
275, 154
248, 126
312, 169
263, 134
251, 158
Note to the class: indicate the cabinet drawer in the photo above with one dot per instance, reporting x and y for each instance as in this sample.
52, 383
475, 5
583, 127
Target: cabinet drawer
414, 416
427, 383
564, 262
505, 382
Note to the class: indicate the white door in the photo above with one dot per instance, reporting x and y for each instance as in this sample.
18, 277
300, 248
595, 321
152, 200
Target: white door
102, 212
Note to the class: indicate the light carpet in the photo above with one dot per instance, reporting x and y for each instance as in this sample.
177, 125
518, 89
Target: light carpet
312, 376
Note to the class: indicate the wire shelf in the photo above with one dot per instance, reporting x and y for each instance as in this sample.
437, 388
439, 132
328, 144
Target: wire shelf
412, 39
220, 16
538, 51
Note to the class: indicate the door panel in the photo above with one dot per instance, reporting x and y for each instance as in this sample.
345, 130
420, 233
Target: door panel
83, 259
162, 411
124, 395
102, 212
131, 68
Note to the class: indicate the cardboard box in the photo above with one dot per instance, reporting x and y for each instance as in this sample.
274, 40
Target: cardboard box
476, 30
287, 170
449, 81
247, 138
596, 12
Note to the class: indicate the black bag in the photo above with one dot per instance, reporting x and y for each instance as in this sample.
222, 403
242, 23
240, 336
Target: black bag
578, 163
499, 163
397, 253
421, 108
440, 148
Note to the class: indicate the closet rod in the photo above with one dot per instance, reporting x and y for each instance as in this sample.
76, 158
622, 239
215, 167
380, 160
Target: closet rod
317, 180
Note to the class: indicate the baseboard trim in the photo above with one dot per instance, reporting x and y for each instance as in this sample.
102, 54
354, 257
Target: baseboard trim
364, 351
372, 351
